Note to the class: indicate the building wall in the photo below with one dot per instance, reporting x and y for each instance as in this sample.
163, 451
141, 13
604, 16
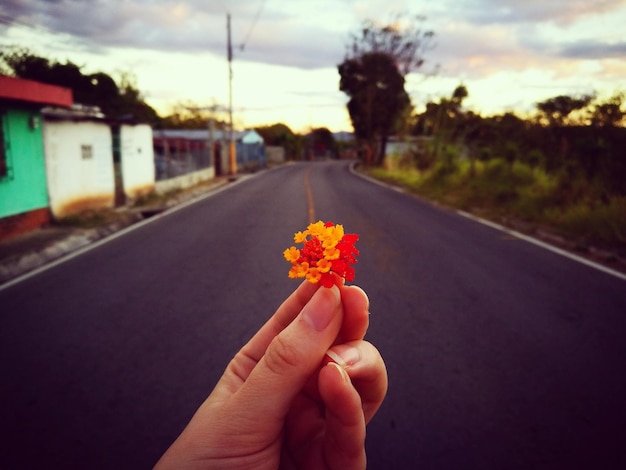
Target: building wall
275, 155
184, 181
79, 161
138, 172
24, 188
250, 156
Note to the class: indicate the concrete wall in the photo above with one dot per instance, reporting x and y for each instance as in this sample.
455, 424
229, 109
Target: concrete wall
275, 155
137, 155
79, 161
184, 181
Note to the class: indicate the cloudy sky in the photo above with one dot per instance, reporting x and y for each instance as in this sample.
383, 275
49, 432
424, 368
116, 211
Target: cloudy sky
508, 53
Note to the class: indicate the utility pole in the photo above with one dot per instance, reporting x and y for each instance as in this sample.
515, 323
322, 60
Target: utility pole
232, 153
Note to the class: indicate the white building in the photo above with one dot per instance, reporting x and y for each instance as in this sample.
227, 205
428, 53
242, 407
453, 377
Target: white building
95, 163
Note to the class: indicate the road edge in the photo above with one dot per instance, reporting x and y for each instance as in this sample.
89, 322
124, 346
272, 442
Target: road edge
519, 235
78, 245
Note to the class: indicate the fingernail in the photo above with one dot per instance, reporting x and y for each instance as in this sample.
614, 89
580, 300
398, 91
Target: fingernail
344, 355
344, 374
322, 307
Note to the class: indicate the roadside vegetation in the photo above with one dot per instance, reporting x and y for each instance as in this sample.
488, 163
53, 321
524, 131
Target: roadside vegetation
563, 169
524, 198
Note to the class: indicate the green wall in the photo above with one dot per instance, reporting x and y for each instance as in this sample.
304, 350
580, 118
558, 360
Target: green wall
25, 188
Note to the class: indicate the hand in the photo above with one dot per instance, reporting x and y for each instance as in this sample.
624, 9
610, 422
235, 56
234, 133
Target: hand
276, 406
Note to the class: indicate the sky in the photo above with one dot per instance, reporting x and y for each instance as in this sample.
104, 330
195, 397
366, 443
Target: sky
509, 54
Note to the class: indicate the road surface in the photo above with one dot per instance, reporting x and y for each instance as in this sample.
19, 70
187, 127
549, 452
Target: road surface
501, 355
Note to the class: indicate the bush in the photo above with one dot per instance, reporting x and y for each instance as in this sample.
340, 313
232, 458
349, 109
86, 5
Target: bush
595, 222
573, 206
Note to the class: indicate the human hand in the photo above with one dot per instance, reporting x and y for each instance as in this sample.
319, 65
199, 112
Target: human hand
277, 407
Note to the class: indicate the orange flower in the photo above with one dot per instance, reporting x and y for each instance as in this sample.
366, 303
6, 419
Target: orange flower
327, 249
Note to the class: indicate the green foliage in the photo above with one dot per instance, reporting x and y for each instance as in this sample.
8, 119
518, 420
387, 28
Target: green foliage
498, 190
565, 168
282, 136
594, 221
558, 110
608, 113
97, 89
322, 142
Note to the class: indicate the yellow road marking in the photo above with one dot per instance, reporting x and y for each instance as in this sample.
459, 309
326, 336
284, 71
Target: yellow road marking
309, 196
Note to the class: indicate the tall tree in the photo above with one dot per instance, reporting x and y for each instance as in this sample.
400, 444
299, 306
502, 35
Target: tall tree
401, 38
377, 98
373, 76
609, 113
557, 110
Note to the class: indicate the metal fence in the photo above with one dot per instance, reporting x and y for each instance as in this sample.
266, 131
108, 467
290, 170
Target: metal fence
175, 157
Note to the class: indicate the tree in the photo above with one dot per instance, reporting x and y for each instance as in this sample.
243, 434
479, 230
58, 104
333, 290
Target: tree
322, 142
282, 136
372, 75
405, 41
557, 110
608, 113
97, 89
377, 97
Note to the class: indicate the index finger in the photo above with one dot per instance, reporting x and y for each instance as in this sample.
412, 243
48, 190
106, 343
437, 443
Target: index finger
285, 314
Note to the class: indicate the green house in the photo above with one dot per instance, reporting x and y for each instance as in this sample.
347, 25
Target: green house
23, 188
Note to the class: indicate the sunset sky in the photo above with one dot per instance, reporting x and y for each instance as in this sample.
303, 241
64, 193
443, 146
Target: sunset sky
509, 54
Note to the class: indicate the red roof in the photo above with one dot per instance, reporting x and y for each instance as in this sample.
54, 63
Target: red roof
34, 92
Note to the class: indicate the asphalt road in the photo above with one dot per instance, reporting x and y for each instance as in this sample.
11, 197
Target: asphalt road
501, 355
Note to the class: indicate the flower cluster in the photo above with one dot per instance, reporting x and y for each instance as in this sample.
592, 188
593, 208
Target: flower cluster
327, 249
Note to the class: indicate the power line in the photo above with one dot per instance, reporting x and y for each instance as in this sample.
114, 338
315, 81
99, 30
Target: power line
254, 21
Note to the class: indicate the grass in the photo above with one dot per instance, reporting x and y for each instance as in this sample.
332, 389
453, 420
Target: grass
603, 223
88, 219
505, 192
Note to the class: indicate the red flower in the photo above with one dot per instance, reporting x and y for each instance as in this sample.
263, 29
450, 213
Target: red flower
326, 250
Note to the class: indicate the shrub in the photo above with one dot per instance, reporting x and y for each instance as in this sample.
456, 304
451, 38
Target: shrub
595, 222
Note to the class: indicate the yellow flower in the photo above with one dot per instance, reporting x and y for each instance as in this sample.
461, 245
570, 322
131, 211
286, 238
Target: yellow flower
313, 276
331, 253
324, 265
299, 270
291, 254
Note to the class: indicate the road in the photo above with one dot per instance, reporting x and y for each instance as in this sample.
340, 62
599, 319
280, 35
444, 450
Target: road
501, 355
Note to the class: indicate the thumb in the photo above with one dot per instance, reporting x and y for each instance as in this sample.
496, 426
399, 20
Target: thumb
293, 356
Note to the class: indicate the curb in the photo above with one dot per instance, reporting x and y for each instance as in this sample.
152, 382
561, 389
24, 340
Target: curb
78, 239
21, 265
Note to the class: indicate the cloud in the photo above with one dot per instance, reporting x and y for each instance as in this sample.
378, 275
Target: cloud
285, 36
561, 12
163, 25
591, 49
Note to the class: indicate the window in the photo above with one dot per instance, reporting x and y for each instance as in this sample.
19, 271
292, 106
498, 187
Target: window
86, 152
